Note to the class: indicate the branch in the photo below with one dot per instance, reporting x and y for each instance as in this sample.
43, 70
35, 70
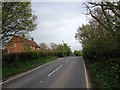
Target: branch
114, 11
96, 18
104, 13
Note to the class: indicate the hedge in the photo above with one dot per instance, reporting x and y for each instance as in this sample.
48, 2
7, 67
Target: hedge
60, 54
21, 57
27, 56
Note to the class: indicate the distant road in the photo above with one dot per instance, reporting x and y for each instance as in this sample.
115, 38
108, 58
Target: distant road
63, 73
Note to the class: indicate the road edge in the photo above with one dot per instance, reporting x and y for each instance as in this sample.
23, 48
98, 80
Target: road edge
86, 75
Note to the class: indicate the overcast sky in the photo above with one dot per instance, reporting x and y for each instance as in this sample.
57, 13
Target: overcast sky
58, 21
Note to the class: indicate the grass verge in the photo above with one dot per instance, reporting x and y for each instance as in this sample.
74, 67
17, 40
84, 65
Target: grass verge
104, 73
20, 67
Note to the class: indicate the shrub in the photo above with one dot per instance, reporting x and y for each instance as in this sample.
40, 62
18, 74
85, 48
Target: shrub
24, 56
60, 54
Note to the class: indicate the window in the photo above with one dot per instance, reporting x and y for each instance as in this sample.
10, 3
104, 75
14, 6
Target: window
14, 45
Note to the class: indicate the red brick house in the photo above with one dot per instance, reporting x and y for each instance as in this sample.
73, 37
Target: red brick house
21, 44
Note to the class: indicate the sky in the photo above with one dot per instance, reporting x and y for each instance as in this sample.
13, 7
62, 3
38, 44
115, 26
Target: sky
57, 22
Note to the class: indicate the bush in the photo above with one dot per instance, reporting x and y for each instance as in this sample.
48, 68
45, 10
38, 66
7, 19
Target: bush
104, 73
60, 54
12, 58
23, 56
77, 53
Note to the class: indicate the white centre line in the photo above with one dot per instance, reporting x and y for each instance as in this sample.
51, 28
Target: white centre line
41, 81
66, 61
55, 70
27, 72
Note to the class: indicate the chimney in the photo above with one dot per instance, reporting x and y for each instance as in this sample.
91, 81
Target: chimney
32, 39
23, 35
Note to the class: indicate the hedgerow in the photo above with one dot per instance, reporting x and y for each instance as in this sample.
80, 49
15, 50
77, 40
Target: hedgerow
27, 56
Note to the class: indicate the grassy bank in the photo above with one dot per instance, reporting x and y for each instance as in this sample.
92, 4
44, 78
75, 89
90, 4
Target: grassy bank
104, 73
20, 67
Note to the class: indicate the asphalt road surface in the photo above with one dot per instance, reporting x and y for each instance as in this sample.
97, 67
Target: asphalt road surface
67, 72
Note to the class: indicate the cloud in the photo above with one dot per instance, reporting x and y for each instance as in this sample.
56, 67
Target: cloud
62, 0
58, 22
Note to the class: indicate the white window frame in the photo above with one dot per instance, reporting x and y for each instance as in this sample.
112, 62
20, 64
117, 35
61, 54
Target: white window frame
14, 45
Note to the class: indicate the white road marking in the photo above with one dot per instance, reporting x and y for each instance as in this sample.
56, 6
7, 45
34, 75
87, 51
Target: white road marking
41, 81
66, 61
29, 71
86, 77
55, 70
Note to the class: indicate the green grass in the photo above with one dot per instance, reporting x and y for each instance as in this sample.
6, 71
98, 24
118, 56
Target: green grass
20, 67
104, 73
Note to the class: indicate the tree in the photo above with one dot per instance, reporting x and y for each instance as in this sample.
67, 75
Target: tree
67, 49
53, 46
96, 41
77, 53
43, 46
100, 37
17, 17
109, 15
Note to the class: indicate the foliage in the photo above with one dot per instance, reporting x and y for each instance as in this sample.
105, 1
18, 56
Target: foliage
23, 57
98, 41
60, 54
107, 14
43, 46
64, 49
16, 18
67, 49
105, 72
53, 46
77, 53
28, 56
61, 49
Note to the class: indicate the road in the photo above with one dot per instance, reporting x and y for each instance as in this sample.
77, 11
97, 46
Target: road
67, 72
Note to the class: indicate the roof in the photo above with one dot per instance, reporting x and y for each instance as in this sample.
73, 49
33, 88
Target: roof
27, 42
